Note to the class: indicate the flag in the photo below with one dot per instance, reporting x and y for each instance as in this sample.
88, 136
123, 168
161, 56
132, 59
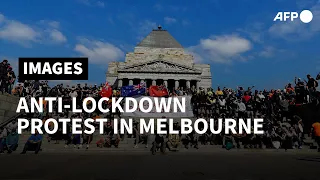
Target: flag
158, 91
133, 90
139, 86
106, 91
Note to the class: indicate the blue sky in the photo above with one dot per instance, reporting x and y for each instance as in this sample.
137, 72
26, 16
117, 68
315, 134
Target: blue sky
237, 37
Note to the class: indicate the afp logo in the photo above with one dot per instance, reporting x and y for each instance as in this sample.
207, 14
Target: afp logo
53, 68
305, 16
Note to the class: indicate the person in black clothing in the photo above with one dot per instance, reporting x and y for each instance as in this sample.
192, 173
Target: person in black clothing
111, 138
202, 103
300, 91
195, 106
4, 76
36, 87
85, 90
311, 85
79, 92
11, 79
44, 88
94, 88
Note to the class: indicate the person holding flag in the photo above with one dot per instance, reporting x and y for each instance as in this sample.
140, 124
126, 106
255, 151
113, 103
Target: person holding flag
158, 91
106, 91
133, 90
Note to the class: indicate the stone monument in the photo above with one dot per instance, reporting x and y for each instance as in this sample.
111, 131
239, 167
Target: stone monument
159, 59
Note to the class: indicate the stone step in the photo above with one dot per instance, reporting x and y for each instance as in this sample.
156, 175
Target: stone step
59, 148
2, 111
25, 136
2, 119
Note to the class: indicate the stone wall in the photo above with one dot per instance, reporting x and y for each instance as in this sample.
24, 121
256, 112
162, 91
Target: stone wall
8, 106
206, 76
112, 74
143, 54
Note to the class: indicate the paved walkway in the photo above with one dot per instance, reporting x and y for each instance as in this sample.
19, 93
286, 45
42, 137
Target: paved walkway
137, 166
206, 163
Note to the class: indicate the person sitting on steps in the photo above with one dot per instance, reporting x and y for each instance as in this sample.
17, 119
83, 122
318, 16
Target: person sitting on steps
33, 144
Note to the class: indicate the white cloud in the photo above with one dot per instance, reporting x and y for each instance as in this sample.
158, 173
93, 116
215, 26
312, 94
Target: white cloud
256, 31
92, 3
193, 51
18, 32
221, 49
57, 36
226, 45
305, 3
54, 24
267, 52
98, 52
1, 18
169, 20
25, 34
51, 33
296, 30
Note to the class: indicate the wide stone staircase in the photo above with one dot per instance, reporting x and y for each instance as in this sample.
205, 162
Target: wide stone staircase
8, 106
127, 145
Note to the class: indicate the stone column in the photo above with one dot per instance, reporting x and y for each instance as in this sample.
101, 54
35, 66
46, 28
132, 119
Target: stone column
198, 84
188, 84
154, 82
120, 83
130, 82
165, 82
176, 84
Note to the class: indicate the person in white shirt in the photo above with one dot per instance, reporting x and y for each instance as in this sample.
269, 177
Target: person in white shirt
261, 96
298, 126
3, 133
222, 104
12, 126
241, 109
73, 93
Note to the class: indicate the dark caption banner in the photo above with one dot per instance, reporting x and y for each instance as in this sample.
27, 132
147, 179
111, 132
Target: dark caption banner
53, 68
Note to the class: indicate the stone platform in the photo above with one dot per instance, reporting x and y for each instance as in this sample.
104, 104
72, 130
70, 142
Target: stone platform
8, 106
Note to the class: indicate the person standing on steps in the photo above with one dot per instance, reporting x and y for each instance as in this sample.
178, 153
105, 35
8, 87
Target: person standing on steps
316, 133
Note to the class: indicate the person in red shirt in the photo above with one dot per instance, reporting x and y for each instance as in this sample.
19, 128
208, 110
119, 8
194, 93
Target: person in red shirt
316, 133
289, 89
246, 97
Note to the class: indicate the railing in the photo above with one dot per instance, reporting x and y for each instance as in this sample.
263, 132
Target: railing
4, 123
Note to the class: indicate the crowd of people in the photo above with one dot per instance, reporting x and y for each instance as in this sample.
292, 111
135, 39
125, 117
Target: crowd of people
282, 127
7, 77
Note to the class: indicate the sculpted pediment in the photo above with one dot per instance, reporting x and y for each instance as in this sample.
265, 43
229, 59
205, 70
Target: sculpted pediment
162, 66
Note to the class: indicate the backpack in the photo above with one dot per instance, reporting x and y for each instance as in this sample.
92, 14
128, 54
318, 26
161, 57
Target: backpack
229, 145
